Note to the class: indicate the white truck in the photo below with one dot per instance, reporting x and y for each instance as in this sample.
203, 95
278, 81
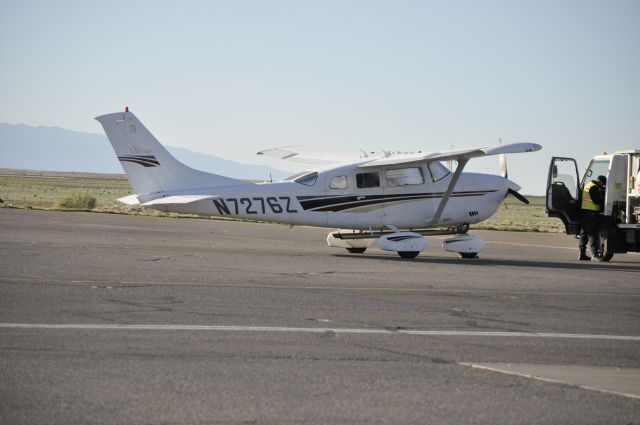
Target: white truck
619, 229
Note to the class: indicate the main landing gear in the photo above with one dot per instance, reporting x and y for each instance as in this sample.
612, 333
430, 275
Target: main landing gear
407, 244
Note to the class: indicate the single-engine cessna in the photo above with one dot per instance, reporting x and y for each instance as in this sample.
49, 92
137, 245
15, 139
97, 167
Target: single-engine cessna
394, 198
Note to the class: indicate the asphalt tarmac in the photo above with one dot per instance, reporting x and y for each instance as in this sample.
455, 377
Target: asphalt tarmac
123, 319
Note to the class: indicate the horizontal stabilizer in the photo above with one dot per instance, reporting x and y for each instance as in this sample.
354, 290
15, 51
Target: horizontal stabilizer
130, 200
178, 199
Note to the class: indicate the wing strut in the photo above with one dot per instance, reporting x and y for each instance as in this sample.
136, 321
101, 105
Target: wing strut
447, 194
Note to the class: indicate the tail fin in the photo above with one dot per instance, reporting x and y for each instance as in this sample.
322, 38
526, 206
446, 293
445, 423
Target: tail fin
149, 167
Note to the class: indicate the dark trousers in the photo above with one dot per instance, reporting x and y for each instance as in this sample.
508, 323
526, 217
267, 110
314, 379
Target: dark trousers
589, 222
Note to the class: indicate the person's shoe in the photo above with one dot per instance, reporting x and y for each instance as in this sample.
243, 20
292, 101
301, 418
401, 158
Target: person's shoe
584, 257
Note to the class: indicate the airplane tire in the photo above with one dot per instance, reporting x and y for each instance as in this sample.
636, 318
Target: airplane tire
468, 255
356, 250
408, 254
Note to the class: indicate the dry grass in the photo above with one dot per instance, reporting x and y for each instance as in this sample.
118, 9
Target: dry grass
78, 201
42, 192
48, 191
513, 215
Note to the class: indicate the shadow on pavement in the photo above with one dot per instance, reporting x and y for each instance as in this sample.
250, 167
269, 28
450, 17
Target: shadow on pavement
459, 262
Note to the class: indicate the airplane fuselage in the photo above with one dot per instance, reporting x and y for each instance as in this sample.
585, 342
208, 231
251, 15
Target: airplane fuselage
475, 198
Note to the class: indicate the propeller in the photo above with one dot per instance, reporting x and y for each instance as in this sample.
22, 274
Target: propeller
503, 165
513, 188
517, 196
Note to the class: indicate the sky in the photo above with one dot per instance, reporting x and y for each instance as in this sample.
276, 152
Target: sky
231, 77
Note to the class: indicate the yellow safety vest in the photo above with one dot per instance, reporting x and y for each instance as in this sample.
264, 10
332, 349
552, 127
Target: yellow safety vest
587, 202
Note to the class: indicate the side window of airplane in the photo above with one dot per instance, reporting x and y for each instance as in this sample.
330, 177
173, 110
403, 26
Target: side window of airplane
339, 182
438, 171
366, 180
404, 176
307, 179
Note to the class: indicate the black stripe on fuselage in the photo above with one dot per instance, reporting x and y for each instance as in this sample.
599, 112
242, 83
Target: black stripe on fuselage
341, 203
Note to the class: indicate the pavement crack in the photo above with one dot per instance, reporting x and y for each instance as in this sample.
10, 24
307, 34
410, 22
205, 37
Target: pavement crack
473, 318
421, 357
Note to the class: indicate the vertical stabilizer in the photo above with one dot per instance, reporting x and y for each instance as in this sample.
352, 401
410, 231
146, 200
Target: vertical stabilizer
150, 168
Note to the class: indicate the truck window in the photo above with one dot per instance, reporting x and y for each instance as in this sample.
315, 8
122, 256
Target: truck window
598, 167
366, 180
564, 174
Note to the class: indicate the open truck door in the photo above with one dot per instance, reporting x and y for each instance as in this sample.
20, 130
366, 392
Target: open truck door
563, 193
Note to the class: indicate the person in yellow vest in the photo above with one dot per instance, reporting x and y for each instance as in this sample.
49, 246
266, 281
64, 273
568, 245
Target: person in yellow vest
592, 205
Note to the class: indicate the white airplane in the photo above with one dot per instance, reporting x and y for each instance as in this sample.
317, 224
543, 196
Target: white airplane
394, 198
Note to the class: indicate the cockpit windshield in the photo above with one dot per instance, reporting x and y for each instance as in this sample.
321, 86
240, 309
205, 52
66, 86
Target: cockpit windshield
295, 176
438, 171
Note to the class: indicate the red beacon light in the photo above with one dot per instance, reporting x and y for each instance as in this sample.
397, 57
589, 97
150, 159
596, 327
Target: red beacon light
126, 109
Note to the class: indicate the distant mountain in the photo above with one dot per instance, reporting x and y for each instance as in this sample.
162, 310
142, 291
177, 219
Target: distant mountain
56, 149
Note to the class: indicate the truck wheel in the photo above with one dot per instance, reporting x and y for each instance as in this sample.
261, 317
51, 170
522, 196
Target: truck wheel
604, 250
356, 250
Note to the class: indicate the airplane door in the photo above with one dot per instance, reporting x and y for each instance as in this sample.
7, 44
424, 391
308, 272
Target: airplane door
367, 195
563, 193
617, 180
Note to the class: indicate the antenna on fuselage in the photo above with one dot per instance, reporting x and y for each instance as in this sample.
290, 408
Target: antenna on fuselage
385, 153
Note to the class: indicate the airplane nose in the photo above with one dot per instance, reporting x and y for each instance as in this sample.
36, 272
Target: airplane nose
512, 189
513, 185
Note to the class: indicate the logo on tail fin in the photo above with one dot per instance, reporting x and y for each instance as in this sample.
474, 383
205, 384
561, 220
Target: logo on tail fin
144, 160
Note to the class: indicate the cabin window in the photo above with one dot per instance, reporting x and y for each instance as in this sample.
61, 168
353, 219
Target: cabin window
295, 176
404, 176
339, 182
366, 180
438, 171
307, 179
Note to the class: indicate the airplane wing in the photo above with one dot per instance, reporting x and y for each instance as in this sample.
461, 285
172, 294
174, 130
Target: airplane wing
303, 155
462, 154
166, 200
310, 156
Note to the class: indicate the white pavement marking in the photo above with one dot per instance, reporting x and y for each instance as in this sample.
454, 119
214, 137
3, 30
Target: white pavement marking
611, 380
316, 330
